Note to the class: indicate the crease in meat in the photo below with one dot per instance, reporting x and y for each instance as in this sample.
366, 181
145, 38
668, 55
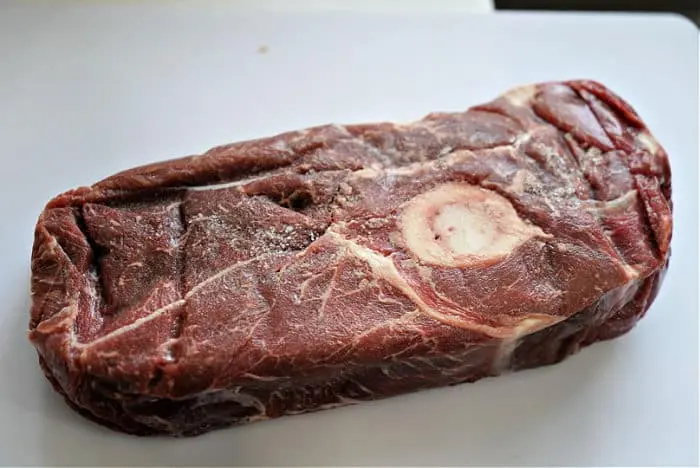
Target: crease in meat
595, 115
170, 306
131, 326
389, 167
202, 284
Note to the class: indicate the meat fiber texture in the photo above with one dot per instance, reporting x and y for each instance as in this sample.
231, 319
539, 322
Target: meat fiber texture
336, 264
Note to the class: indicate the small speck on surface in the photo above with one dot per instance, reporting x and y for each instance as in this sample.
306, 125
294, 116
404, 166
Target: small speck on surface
263, 49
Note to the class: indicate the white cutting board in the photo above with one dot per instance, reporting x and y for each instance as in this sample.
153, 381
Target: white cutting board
89, 89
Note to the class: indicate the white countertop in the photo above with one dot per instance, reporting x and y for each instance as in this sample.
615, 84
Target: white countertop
87, 89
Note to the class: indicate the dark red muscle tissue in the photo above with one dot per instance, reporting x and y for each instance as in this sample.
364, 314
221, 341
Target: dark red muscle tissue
336, 264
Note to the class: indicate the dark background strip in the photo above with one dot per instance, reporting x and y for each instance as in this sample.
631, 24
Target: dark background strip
688, 8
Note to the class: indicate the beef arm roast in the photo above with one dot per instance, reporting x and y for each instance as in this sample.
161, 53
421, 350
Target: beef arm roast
336, 264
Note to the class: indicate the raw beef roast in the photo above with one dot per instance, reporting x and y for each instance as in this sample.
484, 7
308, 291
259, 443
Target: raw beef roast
336, 264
